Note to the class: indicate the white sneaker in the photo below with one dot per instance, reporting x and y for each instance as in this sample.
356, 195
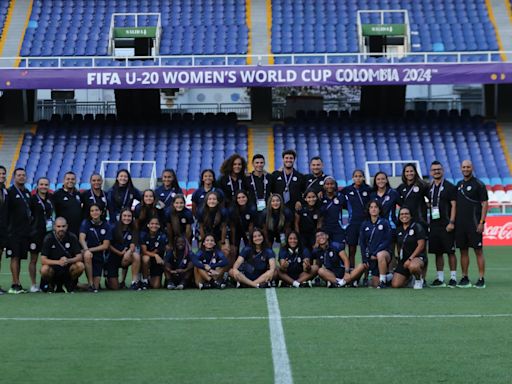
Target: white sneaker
418, 284
34, 289
296, 284
341, 282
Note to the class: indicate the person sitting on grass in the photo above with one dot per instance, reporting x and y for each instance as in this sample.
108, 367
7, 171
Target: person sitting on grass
375, 241
256, 264
295, 267
209, 264
334, 261
411, 240
61, 259
178, 264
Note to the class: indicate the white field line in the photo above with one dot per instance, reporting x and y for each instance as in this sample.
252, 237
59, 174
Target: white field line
282, 369
259, 318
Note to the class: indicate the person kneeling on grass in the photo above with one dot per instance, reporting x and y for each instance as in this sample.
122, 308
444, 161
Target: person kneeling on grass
153, 245
178, 264
375, 238
209, 265
61, 259
411, 239
333, 260
255, 267
295, 267
123, 252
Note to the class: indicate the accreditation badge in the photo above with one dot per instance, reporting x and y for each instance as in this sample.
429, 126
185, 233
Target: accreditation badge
261, 205
286, 196
436, 214
49, 225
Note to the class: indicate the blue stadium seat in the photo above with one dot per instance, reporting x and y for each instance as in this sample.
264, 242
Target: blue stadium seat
449, 140
43, 153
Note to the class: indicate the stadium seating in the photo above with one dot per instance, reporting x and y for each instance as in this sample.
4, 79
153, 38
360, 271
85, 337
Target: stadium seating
330, 26
81, 144
81, 27
4, 7
347, 143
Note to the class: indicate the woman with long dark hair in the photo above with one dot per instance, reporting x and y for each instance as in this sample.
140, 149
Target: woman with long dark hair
178, 264
255, 267
232, 177
278, 220
180, 220
210, 263
148, 209
413, 191
121, 195
170, 187
308, 219
295, 268
95, 237
123, 252
412, 239
42, 223
206, 184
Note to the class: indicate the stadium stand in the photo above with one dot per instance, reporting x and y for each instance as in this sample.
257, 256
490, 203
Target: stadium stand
329, 26
347, 143
4, 7
82, 143
81, 27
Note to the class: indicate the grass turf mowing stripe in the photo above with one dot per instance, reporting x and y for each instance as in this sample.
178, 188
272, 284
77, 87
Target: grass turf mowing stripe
282, 370
273, 317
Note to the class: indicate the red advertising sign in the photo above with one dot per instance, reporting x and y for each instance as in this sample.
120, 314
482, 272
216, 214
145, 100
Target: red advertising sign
498, 230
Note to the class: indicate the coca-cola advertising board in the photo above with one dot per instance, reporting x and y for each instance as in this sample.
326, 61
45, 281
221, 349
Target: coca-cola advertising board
498, 230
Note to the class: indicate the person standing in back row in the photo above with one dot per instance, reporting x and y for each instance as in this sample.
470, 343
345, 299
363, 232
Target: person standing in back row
472, 205
258, 187
19, 227
3, 214
315, 180
68, 204
289, 183
442, 212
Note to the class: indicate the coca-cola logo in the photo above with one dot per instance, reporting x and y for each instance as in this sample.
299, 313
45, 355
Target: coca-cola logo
499, 232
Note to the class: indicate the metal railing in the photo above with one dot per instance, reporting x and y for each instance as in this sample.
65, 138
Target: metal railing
46, 108
77, 62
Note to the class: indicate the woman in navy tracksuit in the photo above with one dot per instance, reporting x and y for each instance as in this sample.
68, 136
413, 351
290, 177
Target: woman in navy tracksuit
121, 195
95, 237
375, 242
169, 188
357, 197
295, 266
209, 265
308, 219
256, 264
332, 208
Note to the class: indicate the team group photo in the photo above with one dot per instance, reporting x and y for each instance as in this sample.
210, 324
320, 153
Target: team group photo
255, 191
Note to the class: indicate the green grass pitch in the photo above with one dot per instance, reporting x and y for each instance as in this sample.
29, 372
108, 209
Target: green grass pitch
332, 335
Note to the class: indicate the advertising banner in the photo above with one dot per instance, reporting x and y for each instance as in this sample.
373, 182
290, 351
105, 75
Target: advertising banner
498, 230
253, 76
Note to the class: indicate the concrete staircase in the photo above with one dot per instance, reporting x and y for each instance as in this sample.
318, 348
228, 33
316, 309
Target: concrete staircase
501, 13
261, 140
505, 131
259, 30
16, 31
11, 139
